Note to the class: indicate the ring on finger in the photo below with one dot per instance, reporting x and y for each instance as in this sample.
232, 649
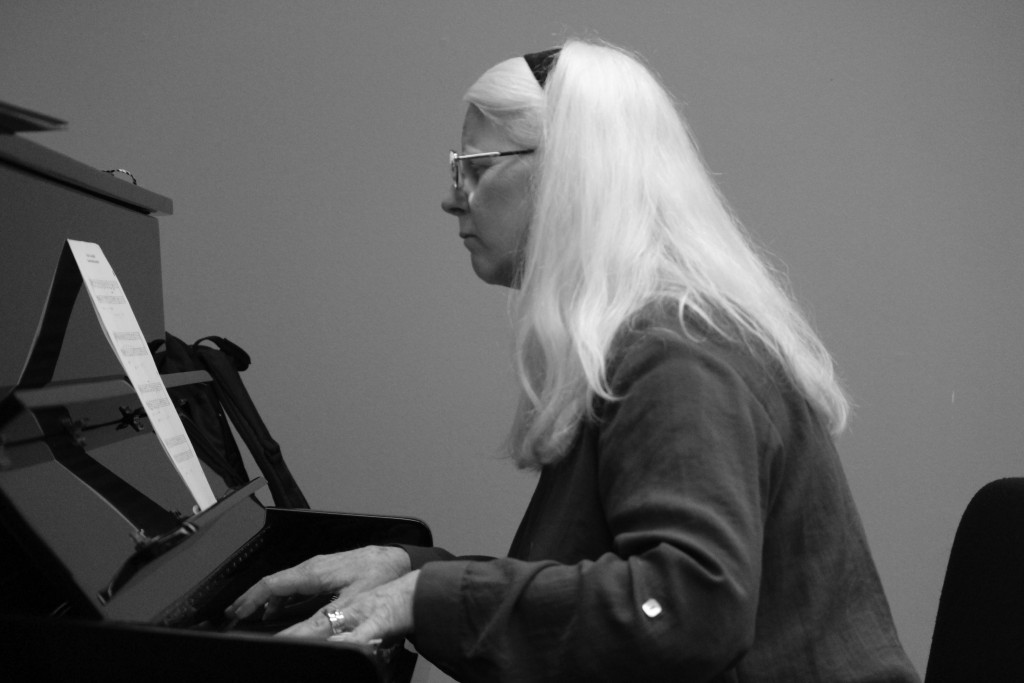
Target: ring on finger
337, 619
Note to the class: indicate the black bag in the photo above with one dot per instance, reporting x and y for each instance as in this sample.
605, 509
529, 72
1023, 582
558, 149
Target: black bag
206, 407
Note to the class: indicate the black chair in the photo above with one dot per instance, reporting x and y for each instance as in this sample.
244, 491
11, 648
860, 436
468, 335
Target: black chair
979, 628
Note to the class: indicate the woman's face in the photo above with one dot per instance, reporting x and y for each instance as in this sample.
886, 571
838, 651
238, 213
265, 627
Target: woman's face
494, 202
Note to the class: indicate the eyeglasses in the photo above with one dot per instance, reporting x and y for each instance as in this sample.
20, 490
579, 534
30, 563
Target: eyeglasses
455, 159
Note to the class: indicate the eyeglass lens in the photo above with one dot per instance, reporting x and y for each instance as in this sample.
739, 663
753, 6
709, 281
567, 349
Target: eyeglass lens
453, 162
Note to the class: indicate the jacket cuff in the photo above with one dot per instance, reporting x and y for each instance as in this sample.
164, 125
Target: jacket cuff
437, 612
419, 555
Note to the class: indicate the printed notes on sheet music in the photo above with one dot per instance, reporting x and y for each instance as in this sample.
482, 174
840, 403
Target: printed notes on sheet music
126, 339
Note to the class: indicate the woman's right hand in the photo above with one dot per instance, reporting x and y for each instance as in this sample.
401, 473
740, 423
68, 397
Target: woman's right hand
344, 574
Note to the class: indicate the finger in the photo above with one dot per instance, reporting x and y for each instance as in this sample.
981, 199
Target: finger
268, 589
247, 603
347, 638
317, 626
272, 606
366, 633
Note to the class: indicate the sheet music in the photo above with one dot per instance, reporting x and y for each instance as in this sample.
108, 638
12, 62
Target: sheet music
126, 339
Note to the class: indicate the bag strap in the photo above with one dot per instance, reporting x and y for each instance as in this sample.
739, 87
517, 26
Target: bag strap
201, 412
239, 358
223, 363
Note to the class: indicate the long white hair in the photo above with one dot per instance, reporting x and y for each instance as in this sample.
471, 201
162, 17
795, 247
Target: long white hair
626, 214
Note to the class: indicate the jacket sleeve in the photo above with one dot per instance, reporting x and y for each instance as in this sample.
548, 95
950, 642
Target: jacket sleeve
678, 458
420, 555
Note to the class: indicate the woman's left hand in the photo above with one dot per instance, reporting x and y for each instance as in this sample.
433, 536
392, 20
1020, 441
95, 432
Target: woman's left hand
378, 614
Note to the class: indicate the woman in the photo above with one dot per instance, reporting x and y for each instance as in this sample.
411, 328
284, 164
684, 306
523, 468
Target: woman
691, 520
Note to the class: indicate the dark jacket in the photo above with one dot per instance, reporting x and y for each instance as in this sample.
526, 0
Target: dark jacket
700, 529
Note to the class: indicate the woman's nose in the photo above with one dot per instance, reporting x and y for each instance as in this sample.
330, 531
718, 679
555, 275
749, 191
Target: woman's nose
455, 202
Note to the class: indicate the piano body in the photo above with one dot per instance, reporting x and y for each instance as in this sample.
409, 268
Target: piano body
106, 569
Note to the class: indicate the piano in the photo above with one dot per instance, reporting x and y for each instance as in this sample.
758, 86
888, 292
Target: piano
107, 569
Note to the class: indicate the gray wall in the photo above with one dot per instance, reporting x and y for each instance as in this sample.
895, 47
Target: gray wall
875, 148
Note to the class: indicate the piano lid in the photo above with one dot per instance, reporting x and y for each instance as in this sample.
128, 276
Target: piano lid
15, 119
23, 153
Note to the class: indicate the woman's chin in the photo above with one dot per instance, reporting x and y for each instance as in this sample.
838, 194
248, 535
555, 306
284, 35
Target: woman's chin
490, 274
